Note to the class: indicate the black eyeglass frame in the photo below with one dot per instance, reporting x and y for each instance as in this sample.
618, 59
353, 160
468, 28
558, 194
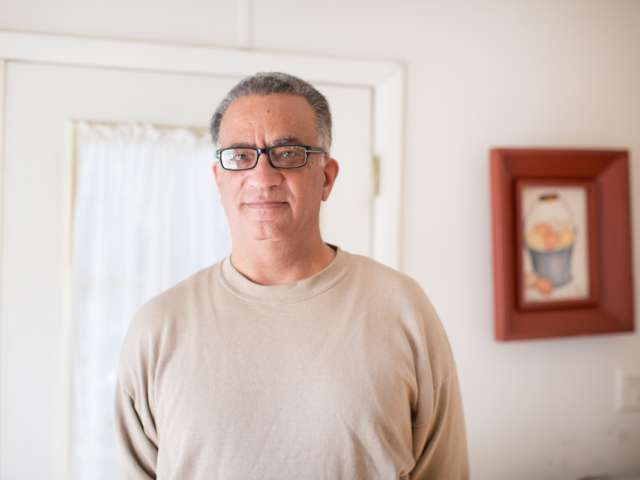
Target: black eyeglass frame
267, 150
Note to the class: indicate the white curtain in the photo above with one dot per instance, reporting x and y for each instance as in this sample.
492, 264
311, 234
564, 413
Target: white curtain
146, 215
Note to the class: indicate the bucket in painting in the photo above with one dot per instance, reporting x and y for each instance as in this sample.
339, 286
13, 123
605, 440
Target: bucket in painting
554, 265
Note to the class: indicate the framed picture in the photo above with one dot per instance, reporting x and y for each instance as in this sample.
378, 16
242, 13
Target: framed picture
561, 242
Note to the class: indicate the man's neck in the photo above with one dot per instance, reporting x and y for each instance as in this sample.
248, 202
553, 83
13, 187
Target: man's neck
276, 262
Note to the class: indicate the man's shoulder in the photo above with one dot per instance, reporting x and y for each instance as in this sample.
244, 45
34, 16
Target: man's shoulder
378, 274
390, 288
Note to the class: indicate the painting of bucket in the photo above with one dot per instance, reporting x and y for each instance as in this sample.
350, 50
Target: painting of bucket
554, 251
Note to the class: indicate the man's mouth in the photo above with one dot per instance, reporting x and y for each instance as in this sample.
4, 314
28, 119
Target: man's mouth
265, 204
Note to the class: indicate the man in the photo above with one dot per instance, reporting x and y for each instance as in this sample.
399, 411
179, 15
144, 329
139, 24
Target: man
291, 358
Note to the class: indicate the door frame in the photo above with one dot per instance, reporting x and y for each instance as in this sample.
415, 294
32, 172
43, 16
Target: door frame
384, 79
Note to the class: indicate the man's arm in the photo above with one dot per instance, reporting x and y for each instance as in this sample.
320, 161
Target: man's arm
135, 423
440, 445
439, 433
136, 436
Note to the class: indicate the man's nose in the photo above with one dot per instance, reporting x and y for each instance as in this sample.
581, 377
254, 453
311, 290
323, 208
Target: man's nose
264, 175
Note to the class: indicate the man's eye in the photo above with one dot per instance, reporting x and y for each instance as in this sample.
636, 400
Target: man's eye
288, 153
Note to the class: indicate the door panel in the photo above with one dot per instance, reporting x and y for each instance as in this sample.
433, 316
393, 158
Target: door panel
40, 99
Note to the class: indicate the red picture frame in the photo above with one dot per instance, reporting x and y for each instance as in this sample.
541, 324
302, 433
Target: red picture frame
604, 304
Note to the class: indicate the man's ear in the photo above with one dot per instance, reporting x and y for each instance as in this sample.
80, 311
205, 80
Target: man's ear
215, 167
330, 169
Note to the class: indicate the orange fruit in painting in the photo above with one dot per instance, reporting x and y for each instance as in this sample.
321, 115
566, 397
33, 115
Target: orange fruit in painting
544, 286
541, 228
550, 239
566, 236
545, 237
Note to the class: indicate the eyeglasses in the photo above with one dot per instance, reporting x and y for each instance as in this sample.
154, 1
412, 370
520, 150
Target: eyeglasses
281, 156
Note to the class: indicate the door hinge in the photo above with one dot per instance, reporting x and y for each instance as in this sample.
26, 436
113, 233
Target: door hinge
375, 174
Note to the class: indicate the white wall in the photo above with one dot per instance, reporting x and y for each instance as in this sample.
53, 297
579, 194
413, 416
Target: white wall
479, 74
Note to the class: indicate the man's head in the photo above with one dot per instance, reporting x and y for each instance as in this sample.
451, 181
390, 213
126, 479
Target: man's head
267, 203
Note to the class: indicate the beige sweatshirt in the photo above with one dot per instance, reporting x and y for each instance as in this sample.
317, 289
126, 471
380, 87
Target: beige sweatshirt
347, 374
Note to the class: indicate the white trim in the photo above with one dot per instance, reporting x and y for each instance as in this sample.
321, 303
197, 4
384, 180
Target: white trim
67, 334
3, 93
187, 59
388, 139
386, 79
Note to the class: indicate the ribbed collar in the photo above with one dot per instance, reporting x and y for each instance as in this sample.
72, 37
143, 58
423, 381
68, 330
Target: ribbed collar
288, 292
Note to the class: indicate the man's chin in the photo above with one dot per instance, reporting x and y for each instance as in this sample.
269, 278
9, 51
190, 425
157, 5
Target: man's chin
267, 231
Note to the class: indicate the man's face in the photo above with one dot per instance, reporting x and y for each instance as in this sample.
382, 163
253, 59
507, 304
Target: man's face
266, 203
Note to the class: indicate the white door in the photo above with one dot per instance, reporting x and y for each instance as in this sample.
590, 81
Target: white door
39, 101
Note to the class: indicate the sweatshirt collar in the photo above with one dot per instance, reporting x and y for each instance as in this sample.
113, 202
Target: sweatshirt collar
292, 292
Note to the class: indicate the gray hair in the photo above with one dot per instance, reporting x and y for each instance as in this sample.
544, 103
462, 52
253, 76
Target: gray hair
268, 83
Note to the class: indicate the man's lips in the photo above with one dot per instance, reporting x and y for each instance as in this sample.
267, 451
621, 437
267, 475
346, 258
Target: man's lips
265, 204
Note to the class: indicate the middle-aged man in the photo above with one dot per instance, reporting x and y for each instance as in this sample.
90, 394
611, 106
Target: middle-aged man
291, 358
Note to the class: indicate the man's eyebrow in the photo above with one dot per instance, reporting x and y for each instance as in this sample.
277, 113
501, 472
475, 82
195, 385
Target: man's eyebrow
286, 141
277, 142
241, 145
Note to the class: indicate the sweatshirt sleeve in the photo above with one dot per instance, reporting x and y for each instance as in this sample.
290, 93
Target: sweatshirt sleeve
138, 448
439, 433
440, 446
134, 418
